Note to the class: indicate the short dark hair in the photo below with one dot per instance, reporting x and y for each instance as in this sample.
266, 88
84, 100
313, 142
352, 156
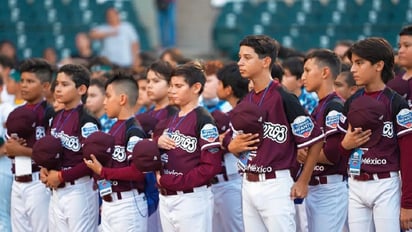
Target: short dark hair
294, 65
406, 30
163, 68
346, 43
192, 73
125, 83
229, 75
40, 67
6, 61
79, 74
350, 81
277, 71
99, 83
375, 49
263, 45
326, 57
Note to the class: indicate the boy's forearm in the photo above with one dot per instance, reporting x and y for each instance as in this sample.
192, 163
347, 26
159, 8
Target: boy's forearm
311, 160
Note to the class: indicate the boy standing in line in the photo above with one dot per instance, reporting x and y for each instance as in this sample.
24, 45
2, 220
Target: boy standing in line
30, 199
326, 203
74, 203
268, 188
377, 125
192, 159
121, 185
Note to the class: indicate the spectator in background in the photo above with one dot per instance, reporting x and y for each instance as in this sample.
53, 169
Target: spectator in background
209, 99
293, 68
50, 55
14, 87
83, 46
345, 86
341, 47
8, 49
173, 56
277, 72
6, 65
143, 103
100, 67
120, 41
166, 17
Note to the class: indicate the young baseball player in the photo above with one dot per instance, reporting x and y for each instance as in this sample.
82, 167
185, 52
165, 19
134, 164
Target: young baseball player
268, 189
403, 84
30, 199
377, 122
121, 185
344, 85
74, 202
326, 203
94, 103
226, 186
192, 159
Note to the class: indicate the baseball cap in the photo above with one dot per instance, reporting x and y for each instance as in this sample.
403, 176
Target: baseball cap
22, 122
247, 117
148, 122
47, 152
146, 156
367, 113
222, 120
101, 145
15, 75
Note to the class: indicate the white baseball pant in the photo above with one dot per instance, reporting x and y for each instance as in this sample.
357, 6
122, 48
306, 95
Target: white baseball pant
267, 205
374, 205
327, 205
74, 207
227, 209
6, 181
186, 212
127, 214
30, 205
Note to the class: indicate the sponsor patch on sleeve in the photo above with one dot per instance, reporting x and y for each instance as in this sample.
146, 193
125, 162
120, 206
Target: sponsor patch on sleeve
209, 133
404, 118
88, 129
332, 119
302, 126
132, 142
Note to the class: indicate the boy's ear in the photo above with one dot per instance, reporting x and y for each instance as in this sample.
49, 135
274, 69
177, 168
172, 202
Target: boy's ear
196, 87
123, 99
379, 65
46, 85
267, 61
82, 89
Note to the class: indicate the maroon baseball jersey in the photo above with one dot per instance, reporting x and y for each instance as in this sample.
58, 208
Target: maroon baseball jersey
123, 175
397, 122
43, 112
287, 128
154, 116
327, 115
72, 127
402, 87
197, 156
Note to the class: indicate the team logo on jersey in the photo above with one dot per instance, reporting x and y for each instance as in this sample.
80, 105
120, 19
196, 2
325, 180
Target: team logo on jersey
332, 119
164, 158
302, 126
132, 142
69, 142
275, 132
387, 130
404, 118
88, 129
119, 154
184, 142
40, 132
209, 133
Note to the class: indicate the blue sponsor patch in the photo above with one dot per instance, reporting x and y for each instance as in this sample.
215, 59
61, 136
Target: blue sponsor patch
302, 126
332, 119
209, 133
404, 118
88, 129
132, 142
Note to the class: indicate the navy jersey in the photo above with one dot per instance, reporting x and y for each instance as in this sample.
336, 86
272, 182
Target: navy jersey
126, 134
384, 156
72, 127
197, 156
327, 115
287, 128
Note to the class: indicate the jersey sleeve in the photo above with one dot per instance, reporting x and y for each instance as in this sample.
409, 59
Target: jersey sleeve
403, 118
304, 129
332, 116
208, 133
